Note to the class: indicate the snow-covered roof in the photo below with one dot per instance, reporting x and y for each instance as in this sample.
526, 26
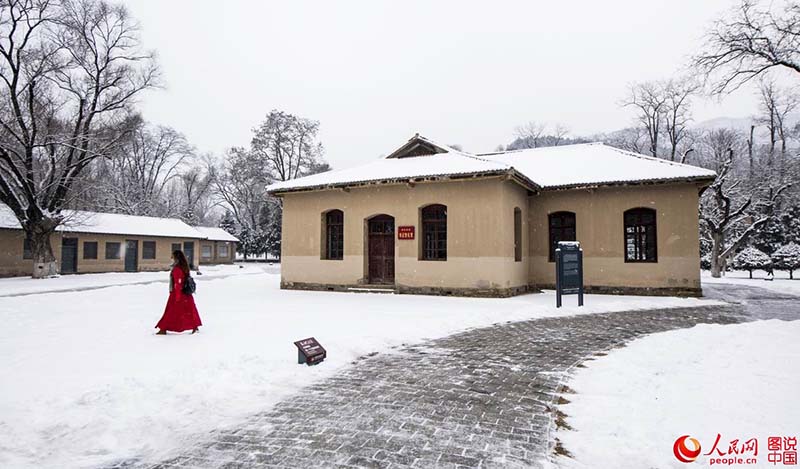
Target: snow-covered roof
112, 223
591, 164
540, 168
216, 234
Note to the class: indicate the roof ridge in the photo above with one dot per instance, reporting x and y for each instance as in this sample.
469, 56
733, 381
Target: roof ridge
551, 147
652, 158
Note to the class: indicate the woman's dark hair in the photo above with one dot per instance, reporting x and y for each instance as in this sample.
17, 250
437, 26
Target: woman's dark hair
181, 261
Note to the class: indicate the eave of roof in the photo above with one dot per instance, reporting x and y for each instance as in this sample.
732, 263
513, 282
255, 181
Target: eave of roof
408, 180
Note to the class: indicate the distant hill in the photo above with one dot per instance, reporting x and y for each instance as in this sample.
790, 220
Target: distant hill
742, 124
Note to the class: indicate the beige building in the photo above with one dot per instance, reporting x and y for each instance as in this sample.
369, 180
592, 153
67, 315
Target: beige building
90, 242
432, 219
217, 247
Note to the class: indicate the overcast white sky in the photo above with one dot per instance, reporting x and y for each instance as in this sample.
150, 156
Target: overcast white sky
374, 72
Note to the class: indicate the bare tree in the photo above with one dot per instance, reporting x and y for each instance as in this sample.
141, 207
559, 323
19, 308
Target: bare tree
749, 41
287, 145
69, 73
560, 132
777, 105
650, 102
530, 134
195, 186
716, 145
136, 178
677, 94
241, 184
731, 223
750, 144
632, 139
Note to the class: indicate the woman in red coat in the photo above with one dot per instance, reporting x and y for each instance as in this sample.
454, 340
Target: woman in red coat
181, 313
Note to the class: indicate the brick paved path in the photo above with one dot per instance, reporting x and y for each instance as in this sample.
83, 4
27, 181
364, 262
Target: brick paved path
481, 398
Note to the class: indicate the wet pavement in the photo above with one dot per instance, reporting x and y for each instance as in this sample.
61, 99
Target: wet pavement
481, 398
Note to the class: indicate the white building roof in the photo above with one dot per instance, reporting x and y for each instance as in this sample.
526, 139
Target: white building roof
216, 234
111, 223
591, 164
541, 168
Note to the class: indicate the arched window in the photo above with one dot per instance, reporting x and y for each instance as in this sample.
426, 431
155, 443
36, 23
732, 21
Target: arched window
562, 228
640, 235
517, 234
334, 235
434, 233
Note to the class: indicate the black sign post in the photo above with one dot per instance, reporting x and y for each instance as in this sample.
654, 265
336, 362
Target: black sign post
569, 271
310, 352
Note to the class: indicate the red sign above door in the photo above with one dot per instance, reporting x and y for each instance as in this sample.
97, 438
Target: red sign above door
405, 232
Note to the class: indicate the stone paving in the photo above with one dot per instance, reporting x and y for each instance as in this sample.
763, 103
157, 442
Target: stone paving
482, 398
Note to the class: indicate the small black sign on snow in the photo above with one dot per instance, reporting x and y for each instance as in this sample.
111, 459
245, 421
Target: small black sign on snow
310, 352
569, 271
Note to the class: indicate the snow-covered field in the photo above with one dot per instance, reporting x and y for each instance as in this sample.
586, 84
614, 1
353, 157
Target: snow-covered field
781, 283
739, 381
85, 381
25, 286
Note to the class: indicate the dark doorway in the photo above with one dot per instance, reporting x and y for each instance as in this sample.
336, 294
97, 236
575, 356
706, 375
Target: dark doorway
188, 251
69, 255
131, 255
380, 246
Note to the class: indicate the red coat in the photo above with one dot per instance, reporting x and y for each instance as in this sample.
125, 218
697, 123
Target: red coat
181, 313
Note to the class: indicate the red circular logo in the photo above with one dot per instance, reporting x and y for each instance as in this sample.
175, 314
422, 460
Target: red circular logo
683, 452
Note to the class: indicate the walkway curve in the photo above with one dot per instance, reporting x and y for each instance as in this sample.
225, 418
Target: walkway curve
480, 398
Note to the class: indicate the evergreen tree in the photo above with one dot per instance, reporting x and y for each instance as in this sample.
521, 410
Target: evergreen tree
751, 259
228, 223
787, 258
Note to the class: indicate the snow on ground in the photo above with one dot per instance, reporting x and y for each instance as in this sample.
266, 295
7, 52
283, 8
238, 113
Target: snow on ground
26, 285
85, 381
781, 283
738, 381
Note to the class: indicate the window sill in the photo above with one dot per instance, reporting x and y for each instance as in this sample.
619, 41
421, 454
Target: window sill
641, 262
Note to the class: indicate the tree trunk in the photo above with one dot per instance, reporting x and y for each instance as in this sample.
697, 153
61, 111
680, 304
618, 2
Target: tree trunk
44, 262
751, 272
716, 247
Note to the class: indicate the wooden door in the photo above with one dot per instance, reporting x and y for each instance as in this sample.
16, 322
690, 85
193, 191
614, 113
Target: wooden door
381, 249
69, 255
131, 255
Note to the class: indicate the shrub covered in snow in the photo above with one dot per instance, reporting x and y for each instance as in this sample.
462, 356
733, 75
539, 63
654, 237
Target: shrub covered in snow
787, 258
751, 259
705, 262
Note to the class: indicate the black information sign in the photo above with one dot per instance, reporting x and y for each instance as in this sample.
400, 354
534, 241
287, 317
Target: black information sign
310, 352
569, 271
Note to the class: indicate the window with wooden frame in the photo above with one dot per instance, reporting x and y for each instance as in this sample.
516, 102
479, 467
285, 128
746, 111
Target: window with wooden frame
206, 251
113, 250
517, 234
434, 233
562, 228
176, 247
222, 250
641, 243
148, 250
334, 235
90, 250
27, 248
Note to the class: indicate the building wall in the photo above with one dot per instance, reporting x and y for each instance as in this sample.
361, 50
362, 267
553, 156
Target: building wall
480, 224
13, 264
480, 236
600, 230
215, 256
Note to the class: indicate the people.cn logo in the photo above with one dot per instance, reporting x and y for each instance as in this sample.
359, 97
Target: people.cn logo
683, 452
